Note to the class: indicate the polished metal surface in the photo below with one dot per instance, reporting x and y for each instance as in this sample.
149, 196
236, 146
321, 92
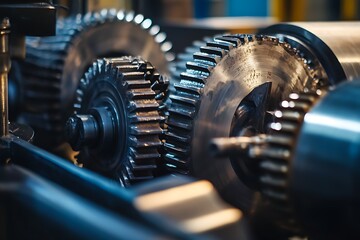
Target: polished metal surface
216, 87
195, 207
4, 70
230, 82
325, 179
335, 44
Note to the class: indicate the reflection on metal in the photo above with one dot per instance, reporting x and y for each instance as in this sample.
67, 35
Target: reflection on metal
336, 45
4, 70
307, 166
195, 207
216, 89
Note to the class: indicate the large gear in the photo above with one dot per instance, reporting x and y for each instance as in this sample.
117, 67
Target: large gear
117, 108
212, 90
55, 65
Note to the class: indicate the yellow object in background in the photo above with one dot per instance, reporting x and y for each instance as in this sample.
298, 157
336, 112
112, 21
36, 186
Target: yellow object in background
288, 10
349, 9
307, 10
95, 5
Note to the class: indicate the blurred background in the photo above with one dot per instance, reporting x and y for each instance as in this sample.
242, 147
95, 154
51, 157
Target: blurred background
187, 20
282, 10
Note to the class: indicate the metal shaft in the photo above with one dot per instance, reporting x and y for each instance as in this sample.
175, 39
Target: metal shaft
221, 147
4, 70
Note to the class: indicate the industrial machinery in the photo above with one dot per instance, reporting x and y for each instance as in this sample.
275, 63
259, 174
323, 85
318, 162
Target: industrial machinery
118, 121
268, 122
306, 166
54, 65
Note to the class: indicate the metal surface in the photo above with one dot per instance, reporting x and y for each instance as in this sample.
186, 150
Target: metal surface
4, 70
194, 206
33, 206
85, 184
335, 44
46, 177
222, 75
324, 184
55, 65
118, 119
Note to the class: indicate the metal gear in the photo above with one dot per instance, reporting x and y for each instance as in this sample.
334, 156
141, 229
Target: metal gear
276, 155
54, 65
117, 121
179, 65
212, 95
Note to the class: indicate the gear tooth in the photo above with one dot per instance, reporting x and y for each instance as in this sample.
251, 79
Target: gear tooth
213, 51
274, 167
120, 15
173, 136
140, 93
193, 77
191, 89
179, 122
183, 99
214, 59
154, 30
129, 16
232, 40
175, 164
141, 105
148, 117
197, 66
145, 156
145, 129
278, 183
111, 14
147, 142
221, 45
146, 23
139, 19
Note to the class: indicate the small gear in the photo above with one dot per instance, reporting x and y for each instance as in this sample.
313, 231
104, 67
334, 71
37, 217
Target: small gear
274, 157
117, 121
213, 89
54, 65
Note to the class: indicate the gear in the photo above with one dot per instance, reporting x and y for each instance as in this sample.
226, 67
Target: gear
277, 154
213, 90
275, 157
54, 65
117, 121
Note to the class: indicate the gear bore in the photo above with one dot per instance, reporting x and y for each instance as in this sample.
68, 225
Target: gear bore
54, 65
117, 121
